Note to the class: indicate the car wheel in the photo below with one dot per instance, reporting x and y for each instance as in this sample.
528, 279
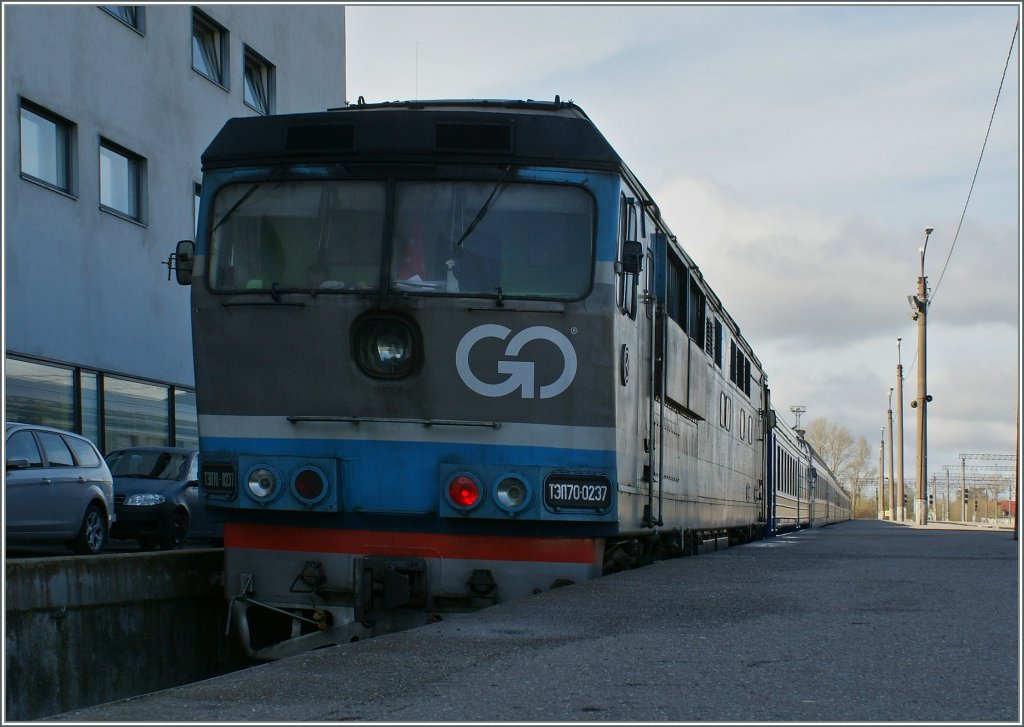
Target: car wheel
93, 534
175, 530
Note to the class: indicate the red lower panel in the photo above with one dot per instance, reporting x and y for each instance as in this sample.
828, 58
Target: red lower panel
398, 544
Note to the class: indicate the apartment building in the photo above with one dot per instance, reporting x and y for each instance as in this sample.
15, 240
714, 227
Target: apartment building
107, 109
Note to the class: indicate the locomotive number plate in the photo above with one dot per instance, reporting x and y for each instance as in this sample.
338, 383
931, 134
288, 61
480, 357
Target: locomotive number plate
218, 479
577, 492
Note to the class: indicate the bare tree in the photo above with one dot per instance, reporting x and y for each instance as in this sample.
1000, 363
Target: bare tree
859, 469
851, 461
833, 443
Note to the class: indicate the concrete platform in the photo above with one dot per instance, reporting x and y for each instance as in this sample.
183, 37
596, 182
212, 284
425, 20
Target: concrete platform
862, 621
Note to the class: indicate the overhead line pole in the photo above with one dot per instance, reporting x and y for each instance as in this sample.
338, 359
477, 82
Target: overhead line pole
893, 512
920, 303
900, 506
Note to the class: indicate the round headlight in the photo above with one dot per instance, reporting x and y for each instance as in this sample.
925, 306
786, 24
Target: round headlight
512, 493
385, 346
392, 348
262, 483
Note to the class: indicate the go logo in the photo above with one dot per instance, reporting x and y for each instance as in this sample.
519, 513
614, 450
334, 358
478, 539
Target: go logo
520, 373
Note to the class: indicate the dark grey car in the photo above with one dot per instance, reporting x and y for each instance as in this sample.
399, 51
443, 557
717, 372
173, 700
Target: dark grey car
156, 497
57, 489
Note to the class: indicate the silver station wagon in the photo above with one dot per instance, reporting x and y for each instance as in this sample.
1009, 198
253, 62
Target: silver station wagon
57, 489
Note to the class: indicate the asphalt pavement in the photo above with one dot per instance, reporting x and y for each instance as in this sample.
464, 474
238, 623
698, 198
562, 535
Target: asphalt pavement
858, 622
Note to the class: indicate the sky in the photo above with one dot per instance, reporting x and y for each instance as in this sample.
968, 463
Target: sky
798, 152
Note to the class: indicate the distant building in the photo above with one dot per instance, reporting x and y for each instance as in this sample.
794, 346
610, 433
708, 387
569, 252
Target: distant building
107, 110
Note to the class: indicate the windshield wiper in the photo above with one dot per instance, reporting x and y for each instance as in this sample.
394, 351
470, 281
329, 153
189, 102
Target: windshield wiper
244, 197
484, 209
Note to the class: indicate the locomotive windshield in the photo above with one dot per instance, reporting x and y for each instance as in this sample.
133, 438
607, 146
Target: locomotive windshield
445, 238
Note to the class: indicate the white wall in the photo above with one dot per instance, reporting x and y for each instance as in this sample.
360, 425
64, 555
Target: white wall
84, 286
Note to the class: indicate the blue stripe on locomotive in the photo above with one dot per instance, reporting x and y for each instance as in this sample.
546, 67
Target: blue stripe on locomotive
395, 477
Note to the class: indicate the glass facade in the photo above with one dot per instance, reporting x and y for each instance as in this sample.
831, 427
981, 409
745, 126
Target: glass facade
113, 411
40, 394
135, 414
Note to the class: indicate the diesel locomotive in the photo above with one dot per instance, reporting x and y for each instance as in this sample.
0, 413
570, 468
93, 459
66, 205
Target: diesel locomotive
448, 353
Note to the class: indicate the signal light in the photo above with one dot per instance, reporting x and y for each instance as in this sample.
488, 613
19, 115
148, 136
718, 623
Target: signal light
463, 491
262, 483
512, 494
309, 485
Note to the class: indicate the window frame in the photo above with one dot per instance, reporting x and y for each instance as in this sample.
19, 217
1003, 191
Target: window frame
197, 194
66, 134
267, 78
205, 26
137, 181
626, 294
138, 23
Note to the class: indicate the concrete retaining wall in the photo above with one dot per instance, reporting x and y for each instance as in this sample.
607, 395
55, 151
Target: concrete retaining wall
82, 631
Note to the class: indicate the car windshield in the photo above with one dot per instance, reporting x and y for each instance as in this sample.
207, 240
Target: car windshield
478, 238
150, 465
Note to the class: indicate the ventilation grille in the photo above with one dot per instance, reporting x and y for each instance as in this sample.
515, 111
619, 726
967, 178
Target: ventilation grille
473, 137
321, 137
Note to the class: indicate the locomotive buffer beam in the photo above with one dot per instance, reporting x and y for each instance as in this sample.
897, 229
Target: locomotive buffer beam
387, 583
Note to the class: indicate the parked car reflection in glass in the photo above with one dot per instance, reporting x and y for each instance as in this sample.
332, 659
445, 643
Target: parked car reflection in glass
57, 489
156, 497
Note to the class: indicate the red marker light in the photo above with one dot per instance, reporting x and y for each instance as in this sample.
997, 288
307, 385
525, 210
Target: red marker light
309, 485
463, 491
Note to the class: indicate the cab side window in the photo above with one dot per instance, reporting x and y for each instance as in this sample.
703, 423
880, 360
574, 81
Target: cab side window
626, 295
22, 445
57, 452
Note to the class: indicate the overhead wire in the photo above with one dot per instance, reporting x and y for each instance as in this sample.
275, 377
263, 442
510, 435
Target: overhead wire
1013, 42
956, 236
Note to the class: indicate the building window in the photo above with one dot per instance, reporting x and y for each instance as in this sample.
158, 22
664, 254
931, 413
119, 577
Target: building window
209, 48
122, 181
47, 148
134, 16
259, 82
